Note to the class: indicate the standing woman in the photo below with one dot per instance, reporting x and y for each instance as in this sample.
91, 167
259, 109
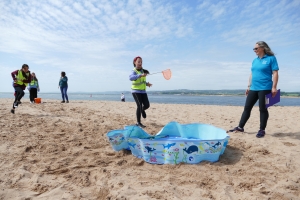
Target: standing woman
63, 84
263, 80
33, 87
138, 87
21, 79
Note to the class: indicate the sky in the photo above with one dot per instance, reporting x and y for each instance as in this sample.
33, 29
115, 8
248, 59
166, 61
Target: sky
207, 44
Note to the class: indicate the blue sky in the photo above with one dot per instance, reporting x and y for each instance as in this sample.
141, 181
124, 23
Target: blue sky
206, 44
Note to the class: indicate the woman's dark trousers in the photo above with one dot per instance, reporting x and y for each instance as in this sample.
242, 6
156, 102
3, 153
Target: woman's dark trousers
252, 98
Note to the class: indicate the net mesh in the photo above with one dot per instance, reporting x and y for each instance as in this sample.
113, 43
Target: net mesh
167, 74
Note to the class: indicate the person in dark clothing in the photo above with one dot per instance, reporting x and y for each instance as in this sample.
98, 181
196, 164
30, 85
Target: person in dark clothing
63, 84
21, 79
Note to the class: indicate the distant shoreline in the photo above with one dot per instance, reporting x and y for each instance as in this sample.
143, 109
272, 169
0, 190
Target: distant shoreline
156, 93
230, 95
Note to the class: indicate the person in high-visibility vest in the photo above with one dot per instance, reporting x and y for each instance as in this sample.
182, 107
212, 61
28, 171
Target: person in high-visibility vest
138, 87
21, 79
33, 87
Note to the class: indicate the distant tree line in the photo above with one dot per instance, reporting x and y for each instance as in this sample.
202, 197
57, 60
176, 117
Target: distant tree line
290, 94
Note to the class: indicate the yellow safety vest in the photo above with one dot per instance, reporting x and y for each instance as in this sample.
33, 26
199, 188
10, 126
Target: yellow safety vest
140, 83
34, 83
20, 78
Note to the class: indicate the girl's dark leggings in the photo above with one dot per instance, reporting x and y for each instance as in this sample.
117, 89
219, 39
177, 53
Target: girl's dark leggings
252, 98
142, 102
19, 94
32, 94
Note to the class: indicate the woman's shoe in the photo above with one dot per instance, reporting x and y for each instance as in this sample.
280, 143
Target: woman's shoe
237, 129
62, 102
67, 102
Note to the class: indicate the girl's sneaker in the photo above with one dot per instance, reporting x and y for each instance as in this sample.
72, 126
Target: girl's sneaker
144, 115
261, 133
237, 129
140, 125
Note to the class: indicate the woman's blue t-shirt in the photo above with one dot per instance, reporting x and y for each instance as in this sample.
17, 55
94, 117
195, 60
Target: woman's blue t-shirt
262, 70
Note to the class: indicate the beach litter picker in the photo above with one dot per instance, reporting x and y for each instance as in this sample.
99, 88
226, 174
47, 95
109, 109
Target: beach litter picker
166, 73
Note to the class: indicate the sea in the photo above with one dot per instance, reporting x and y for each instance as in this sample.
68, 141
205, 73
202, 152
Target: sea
158, 98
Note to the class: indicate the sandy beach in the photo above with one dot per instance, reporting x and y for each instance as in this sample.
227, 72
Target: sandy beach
60, 151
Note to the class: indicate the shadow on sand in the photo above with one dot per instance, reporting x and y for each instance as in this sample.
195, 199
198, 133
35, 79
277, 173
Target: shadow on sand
231, 156
291, 135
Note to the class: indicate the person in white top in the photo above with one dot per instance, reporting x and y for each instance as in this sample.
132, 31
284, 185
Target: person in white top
122, 97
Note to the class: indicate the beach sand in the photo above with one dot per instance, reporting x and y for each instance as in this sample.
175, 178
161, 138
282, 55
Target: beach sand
60, 151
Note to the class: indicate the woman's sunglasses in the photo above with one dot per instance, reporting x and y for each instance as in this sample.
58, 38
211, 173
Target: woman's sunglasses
255, 49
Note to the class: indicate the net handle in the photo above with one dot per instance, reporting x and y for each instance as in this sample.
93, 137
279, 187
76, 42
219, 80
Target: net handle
155, 73
166, 73
159, 72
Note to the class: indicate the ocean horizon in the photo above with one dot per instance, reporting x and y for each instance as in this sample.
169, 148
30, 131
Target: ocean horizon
157, 98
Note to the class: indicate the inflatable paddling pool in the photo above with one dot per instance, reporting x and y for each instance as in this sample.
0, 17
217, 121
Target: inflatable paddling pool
173, 144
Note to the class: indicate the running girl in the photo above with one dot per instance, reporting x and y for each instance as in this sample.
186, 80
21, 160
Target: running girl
138, 87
